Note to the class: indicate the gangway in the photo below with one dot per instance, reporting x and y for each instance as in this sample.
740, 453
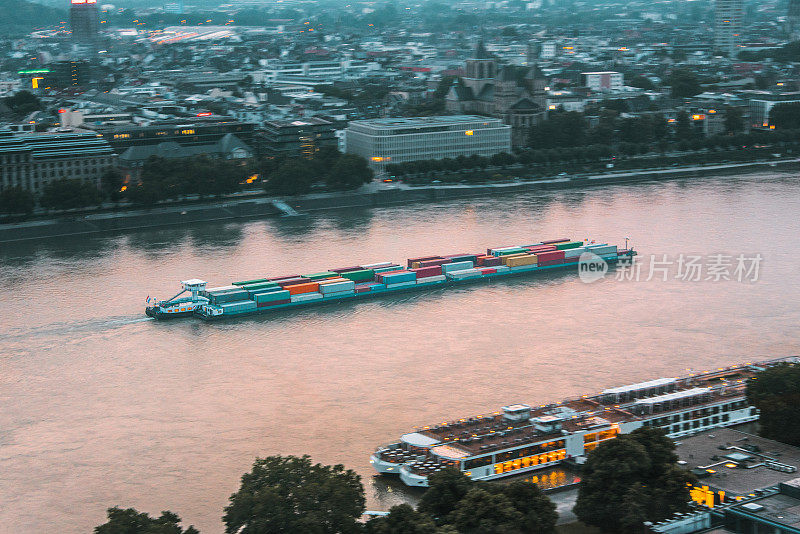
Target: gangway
287, 210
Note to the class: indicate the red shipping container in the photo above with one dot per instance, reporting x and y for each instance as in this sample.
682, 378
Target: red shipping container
362, 289
492, 261
572, 260
293, 281
273, 303
424, 272
547, 256
424, 258
542, 248
345, 269
488, 271
555, 241
431, 263
551, 262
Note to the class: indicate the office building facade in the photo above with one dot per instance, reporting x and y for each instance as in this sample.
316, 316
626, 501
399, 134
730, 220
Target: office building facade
400, 140
728, 22
30, 161
84, 21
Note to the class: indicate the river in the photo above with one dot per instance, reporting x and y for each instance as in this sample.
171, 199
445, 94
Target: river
102, 406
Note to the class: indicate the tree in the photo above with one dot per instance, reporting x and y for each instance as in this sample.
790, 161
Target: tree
642, 83
67, 194
293, 177
483, 511
538, 512
402, 519
684, 83
635, 473
130, 521
287, 494
786, 115
111, 184
776, 394
445, 489
349, 172
22, 103
734, 121
14, 200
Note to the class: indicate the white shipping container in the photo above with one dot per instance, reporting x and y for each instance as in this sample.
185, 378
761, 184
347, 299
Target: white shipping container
457, 266
377, 265
604, 250
337, 287
429, 279
305, 297
502, 268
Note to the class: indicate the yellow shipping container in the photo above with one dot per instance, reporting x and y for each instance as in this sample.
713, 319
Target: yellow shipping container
415, 265
522, 260
505, 259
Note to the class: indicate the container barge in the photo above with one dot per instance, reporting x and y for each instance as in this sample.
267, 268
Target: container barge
362, 281
520, 438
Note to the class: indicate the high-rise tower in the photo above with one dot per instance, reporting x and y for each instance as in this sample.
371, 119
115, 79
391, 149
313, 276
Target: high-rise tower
794, 18
728, 21
84, 20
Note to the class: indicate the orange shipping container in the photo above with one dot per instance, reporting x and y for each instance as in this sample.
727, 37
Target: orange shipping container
303, 288
521, 260
505, 259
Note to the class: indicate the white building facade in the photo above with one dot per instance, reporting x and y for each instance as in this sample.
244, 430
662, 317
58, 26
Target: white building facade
400, 140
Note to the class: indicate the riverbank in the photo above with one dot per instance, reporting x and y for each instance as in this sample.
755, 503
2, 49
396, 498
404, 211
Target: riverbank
372, 195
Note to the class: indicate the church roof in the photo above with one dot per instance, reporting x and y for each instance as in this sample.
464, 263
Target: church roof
525, 104
507, 74
535, 73
459, 91
487, 93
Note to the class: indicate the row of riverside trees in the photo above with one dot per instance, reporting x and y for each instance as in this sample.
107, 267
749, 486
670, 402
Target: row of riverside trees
628, 155
626, 481
173, 179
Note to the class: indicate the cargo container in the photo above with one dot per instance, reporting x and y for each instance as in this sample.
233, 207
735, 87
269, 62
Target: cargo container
360, 275
272, 303
432, 263
431, 279
387, 269
569, 244
423, 258
423, 272
518, 261
297, 289
396, 277
347, 285
358, 282
554, 241
306, 297
321, 276
239, 307
275, 295
250, 282
506, 259
457, 266
397, 285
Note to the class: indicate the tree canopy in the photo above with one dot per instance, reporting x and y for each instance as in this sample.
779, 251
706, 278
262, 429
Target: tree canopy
15, 200
635, 474
289, 494
130, 521
776, 394
67, 194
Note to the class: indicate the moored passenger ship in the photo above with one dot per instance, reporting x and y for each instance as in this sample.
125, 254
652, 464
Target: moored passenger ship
520, 438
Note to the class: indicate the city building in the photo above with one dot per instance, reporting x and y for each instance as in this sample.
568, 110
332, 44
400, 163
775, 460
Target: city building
57, 75
603, 81
302, 137
84, 20
384, 141
793, 18
182, 132
728, 23
497, 91
761, 106
31, 160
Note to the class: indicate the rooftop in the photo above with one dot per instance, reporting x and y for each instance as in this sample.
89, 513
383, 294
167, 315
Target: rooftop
418, 122
780, 508
711, 447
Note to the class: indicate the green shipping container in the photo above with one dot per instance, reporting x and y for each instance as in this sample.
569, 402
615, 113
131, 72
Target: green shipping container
571, 244
249, 282
363, 275
262, 285
518, 250
320, 276
273, 296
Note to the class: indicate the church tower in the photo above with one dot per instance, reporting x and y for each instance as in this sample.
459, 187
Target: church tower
481, 69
